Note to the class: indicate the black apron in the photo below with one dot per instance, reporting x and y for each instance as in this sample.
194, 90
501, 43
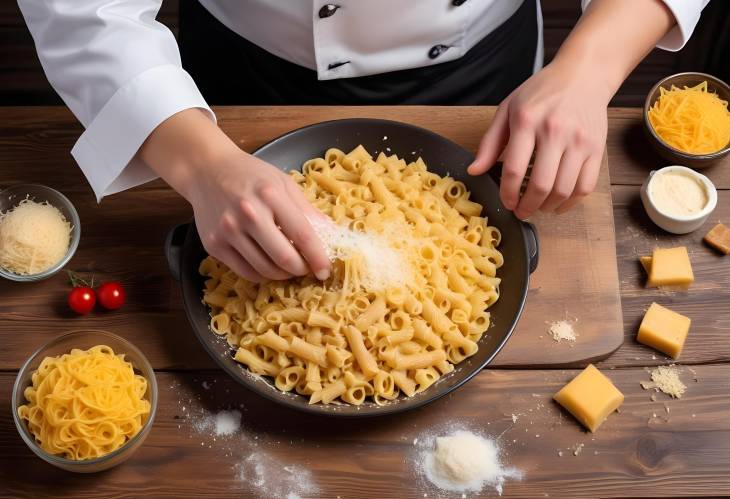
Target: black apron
230, 70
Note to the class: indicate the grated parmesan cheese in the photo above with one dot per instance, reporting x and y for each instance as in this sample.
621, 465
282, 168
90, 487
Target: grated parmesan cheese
383, 264
562, 330
33, 237
666, 379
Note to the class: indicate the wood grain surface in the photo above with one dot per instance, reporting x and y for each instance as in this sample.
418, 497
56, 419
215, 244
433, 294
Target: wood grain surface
642, 451
577, 277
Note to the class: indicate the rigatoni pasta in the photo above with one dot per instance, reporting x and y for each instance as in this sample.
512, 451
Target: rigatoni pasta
414, 271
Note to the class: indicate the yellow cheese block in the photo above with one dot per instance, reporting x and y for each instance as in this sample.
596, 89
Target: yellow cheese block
668, 267
590, 397
664, 330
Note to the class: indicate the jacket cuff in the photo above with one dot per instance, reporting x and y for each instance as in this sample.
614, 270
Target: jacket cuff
107, 150
686, 13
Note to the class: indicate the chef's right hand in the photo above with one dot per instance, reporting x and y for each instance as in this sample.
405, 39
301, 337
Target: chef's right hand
249, 214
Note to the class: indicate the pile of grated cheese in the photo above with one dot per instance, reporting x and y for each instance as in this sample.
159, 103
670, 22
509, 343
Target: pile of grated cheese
463, 462
33, 237
666, 379
562, 330
384, 265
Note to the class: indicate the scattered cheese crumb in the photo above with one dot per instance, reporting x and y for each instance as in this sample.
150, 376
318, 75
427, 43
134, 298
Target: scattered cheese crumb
514, 418
666, 379
577, 449
227, 422
562, 330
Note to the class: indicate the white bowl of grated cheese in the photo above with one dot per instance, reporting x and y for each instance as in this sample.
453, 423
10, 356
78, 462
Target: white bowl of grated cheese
34, 220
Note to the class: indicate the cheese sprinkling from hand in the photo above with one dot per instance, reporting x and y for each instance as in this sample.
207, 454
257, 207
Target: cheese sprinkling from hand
384, 256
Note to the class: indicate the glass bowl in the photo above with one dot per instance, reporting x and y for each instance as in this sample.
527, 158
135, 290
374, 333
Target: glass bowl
85, 339
668, 152
11, 196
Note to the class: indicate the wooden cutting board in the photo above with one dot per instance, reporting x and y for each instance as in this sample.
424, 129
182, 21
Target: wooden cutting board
577, 281
123, 237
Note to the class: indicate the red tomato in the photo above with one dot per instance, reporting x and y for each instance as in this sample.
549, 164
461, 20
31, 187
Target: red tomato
81, 299
111, 295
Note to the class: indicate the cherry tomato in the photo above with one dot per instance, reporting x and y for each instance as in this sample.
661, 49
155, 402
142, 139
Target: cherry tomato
111, 295
82, 299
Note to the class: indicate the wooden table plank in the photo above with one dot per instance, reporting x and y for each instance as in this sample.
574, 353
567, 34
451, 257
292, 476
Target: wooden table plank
47, 133
707, 302
681, 453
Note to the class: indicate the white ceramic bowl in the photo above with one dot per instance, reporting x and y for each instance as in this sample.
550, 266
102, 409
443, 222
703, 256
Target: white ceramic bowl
674, 223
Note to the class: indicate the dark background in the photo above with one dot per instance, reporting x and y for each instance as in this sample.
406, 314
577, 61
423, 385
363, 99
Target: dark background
22, 81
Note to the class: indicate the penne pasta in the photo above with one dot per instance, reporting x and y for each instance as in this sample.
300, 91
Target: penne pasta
347, 340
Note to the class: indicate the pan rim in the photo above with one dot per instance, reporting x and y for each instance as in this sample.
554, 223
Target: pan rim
250, 381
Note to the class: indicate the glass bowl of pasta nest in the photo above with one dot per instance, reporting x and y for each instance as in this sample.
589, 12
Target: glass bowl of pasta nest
429, 276
85, 401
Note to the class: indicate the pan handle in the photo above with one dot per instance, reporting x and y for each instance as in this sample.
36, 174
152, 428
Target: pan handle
533, 244
173, 248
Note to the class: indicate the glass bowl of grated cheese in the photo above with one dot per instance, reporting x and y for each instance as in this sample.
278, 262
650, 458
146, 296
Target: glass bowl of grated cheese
39, 232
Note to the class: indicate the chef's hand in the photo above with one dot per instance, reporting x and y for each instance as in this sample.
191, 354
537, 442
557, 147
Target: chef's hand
249, 214
561, 119
560, 112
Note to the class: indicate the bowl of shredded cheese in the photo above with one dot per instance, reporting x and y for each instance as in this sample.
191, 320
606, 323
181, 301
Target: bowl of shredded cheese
39, 232
687, 119
85, 401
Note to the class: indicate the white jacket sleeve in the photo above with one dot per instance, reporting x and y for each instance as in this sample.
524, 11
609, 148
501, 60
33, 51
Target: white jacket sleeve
686, 13
119, 72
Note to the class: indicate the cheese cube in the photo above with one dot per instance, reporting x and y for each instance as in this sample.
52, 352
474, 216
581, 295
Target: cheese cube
664, 330
590, 397
669, 267
719, 238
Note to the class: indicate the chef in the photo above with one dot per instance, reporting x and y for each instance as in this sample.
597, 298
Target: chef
144, 112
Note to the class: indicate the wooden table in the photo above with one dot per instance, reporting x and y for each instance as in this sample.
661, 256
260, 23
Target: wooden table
652, 448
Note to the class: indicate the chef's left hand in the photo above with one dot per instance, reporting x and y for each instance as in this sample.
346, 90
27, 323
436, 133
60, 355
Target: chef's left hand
560, 114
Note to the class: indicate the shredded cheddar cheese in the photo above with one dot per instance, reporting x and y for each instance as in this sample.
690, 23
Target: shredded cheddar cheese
691, 119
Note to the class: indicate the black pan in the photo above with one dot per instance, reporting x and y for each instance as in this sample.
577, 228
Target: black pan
519, 246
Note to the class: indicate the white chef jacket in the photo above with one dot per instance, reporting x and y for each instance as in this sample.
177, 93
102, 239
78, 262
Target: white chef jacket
119, 70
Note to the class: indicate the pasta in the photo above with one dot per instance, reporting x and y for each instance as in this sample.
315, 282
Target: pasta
414, 271
85, 404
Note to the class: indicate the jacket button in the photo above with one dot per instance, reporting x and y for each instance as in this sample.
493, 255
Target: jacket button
457, 3
437, 50
328, 10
